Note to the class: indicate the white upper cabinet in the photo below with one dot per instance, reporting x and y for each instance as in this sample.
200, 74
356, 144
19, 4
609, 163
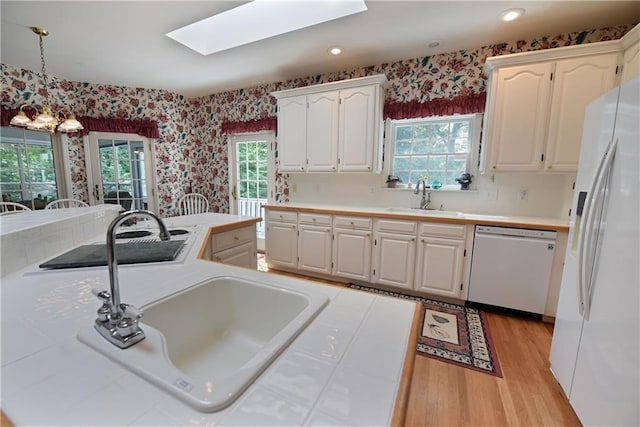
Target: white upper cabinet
631, 58
535, 105
322, 131
292, 137
577, 83
518, 116
341, 130
359, 128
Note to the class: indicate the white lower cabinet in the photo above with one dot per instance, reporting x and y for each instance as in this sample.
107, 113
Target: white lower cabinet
282, 244
426, 257
237, 246
439, 266
441, 252
314, 249
394, 251
352, 248
241, 256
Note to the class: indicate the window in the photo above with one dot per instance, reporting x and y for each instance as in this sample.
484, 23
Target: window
27, 167
442, 148
121, 170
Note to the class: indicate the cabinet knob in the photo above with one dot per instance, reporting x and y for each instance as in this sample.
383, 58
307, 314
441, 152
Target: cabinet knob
494, 167
351, 222
550, 167
369, 167
236, 238
314, 220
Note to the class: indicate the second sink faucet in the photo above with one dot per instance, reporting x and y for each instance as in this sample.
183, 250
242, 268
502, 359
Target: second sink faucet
118, 322
426, 195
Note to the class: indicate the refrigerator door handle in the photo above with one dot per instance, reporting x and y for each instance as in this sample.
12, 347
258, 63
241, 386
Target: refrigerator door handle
587, 244
588, 203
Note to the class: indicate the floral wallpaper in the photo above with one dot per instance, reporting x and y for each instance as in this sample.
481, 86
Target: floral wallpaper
191, 153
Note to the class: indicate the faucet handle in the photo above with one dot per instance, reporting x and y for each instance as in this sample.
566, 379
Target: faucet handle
131, 312
102, 295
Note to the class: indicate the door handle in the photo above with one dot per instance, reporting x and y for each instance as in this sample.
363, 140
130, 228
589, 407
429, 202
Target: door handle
234, 194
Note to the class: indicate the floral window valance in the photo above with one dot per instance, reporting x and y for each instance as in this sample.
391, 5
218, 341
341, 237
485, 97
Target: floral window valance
142, 127
258, 125
464, 104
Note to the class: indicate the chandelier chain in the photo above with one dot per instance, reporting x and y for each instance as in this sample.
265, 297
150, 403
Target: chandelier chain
44, 72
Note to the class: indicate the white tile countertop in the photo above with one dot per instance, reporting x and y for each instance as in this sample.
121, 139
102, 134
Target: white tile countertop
431, 215
344, 369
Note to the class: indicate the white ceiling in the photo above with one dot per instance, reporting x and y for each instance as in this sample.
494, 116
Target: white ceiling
123, 43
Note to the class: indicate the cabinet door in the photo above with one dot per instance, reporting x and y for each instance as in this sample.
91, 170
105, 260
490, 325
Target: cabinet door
518, 114
281, 244
439, 266
314, 249
352, 254
394, 259
577, 82
292, 133
322, 131
358, 126
242, 256
631, 63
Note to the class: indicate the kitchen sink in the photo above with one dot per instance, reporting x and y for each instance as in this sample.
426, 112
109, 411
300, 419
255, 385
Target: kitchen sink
428, 212
206, 344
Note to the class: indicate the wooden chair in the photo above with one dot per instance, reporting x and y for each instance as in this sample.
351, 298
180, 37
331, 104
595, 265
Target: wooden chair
7, 208
193, 203
66, 203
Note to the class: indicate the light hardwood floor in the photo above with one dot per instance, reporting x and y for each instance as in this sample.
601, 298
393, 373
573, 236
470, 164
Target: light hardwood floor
445, 395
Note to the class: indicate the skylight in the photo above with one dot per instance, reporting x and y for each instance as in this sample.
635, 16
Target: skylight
259, 20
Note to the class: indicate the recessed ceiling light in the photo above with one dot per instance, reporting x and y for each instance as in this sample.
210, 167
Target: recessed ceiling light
511, 14
433, 43
259, 20
335, 51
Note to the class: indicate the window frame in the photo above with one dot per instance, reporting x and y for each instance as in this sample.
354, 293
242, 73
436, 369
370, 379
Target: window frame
59, 149
475, 131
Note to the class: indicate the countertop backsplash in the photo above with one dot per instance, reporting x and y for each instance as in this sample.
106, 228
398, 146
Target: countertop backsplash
540, 195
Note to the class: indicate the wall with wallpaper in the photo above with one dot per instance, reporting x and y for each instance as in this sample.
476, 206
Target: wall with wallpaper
191, 152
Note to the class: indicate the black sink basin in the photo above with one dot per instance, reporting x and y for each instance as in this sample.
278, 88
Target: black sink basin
133, 234
178, 231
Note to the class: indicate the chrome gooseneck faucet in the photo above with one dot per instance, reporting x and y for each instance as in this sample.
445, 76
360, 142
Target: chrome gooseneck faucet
426, 196
118, 322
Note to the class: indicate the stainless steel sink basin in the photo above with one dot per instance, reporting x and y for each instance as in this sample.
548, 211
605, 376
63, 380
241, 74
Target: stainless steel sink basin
206, 344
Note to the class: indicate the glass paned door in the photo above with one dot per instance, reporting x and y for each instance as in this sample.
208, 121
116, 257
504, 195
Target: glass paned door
250, 176
121, 171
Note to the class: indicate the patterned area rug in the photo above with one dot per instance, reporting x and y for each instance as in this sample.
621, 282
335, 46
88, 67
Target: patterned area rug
452, 333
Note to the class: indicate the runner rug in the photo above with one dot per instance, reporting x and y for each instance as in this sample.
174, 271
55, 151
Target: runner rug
452, 333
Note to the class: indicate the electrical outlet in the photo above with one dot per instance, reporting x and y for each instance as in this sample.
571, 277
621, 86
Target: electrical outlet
294, 188
524, 194
492, 194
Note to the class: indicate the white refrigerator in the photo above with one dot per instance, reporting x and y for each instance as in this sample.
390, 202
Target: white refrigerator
595, 349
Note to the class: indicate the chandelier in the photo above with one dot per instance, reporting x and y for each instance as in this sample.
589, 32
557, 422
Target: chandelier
45, 118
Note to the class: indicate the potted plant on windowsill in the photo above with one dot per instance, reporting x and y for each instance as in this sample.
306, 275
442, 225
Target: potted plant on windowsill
464, 181
393, 180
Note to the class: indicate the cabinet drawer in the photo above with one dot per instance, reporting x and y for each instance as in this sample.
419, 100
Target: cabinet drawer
352, 222
406, 227
231, 238
282, 216
457, 231
314, 219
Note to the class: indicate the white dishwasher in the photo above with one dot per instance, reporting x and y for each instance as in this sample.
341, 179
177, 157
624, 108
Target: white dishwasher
511, 267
